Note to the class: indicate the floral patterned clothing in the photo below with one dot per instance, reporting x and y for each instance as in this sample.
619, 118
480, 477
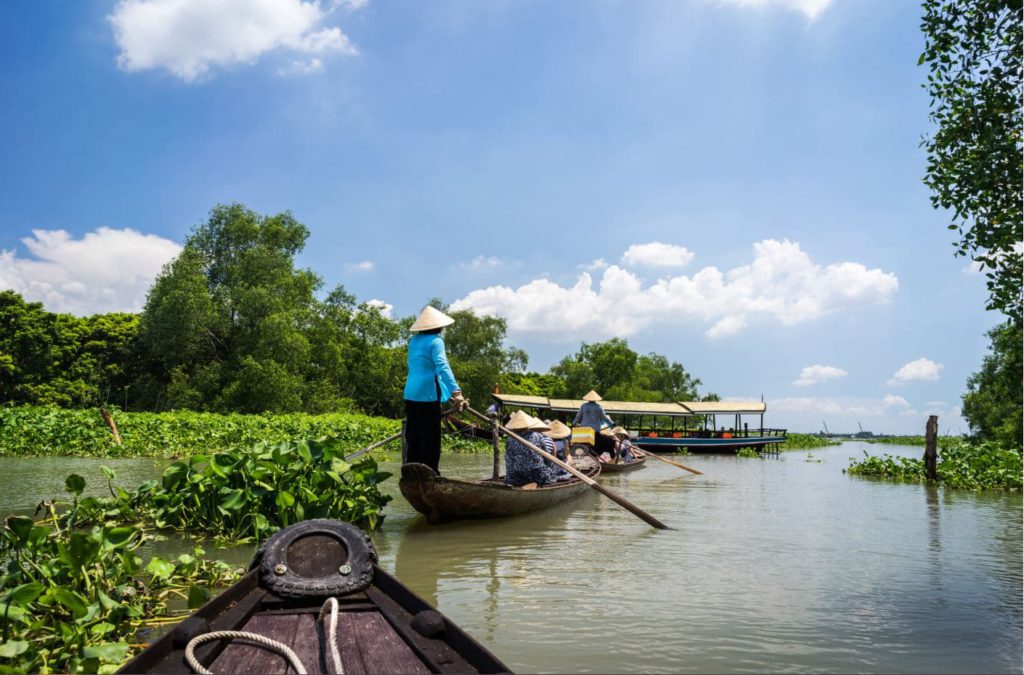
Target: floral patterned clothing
523, 465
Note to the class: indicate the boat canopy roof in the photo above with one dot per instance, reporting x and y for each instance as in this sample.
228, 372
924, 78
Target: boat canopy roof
680, 409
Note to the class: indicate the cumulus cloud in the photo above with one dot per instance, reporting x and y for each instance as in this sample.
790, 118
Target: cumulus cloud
105, 271
782, 284
593, 265
363, 266
810, 8
816, 373
893, 401
920, 369
384, 307
656, 254
189, 38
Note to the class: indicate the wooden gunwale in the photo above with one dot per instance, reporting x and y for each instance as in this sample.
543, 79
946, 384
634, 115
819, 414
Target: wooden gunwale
443, 499
379, 635
611, 467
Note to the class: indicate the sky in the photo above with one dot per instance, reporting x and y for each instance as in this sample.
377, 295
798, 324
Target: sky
735, 184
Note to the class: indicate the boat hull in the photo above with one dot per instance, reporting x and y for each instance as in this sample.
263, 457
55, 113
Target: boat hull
666, 444
443, 500
622, 467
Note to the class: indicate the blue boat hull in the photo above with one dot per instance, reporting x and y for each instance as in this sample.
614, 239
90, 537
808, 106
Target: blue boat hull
668, 444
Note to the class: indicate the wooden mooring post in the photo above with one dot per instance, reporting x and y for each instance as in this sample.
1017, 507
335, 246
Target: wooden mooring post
109, 419
405, 445
496, 443
931, 438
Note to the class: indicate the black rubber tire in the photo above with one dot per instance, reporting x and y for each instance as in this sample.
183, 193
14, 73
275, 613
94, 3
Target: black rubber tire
274, 551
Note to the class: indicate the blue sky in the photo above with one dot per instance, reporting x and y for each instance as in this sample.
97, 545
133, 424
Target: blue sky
733, 183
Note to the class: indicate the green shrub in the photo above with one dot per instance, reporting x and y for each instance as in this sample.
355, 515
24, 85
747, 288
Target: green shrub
959, 465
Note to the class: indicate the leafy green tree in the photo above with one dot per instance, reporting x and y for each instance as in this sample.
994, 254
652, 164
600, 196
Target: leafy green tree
225, 324
993, 402
973, 52
60, 359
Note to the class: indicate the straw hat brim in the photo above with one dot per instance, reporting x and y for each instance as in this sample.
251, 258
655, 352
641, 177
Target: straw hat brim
430, 319
519, 421
559, 431
538, 425
592, 396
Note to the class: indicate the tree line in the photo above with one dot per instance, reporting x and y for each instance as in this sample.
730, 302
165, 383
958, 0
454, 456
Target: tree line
232, 325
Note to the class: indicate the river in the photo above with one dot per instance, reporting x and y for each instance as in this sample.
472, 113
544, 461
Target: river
778, 564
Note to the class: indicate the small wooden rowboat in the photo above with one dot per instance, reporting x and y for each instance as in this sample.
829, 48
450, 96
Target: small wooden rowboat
315, 589
612, 467
443, 499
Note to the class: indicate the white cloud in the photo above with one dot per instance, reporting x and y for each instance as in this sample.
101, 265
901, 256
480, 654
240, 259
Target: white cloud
363, 266
782, 283
302, 67
483, 262
384, 307
593, 265
920, 369
191, 37
816, 373
893, 401
811, 8
105, 271
656, 254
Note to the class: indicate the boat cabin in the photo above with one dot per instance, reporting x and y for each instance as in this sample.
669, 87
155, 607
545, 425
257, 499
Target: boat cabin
697, 425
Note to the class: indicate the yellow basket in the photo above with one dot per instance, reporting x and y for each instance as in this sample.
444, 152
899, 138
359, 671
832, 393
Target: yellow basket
583, 435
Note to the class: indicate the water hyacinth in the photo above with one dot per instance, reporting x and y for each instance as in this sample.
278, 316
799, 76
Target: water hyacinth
960, 465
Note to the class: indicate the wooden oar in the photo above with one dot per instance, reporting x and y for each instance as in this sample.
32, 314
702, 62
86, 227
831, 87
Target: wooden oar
668, 461
389, 439
376, 445
635, 510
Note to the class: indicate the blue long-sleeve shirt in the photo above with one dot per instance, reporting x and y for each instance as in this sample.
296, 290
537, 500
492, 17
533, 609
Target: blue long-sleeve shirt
591, 415
429, 369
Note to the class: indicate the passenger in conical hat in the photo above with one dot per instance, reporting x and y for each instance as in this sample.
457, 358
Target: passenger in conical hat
592, 415
523, 466
559, 433
430, 383
624, 446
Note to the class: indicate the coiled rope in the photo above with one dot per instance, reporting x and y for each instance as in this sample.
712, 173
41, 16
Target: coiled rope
273, 645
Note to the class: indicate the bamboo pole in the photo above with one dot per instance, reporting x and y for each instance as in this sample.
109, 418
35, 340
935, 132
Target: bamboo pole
632, 508
669, 461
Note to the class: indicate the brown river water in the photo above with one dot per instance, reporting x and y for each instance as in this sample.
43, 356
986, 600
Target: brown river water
778, 564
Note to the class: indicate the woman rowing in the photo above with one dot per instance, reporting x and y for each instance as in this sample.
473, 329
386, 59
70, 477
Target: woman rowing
559, 434
624, 447
430, 382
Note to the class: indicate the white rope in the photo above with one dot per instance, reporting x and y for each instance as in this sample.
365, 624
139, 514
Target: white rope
333, 633
274, 645
284, 649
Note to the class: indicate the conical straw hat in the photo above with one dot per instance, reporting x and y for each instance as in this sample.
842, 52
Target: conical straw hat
592, 396
429, 319
519, 421
538, 424
559, 431
619, 431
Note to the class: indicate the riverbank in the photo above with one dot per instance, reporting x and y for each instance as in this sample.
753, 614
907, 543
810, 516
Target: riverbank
31, 431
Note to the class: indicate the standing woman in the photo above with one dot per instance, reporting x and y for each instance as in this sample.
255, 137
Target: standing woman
430, 382
592, 415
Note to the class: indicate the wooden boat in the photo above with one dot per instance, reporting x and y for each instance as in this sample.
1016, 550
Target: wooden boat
456, 426
443, 499
612, 467
377, 624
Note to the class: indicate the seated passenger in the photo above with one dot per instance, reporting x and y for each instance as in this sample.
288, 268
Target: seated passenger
625, 446
560, 433
522, 465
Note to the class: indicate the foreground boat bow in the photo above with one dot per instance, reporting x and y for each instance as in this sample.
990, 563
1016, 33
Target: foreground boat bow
379, 625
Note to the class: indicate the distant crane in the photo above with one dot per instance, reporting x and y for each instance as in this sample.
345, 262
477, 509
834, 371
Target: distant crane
827, 432
861, 427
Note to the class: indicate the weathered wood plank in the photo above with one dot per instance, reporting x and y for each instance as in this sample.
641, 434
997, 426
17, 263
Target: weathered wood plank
380, 649
240, 657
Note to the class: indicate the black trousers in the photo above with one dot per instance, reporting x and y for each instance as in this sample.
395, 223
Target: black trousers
423, 433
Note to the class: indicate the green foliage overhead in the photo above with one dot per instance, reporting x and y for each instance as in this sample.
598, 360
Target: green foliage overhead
973, 51
960, 465
993, 402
